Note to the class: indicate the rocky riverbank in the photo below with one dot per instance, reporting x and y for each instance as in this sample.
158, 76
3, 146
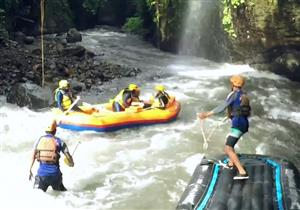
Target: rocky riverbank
21, 63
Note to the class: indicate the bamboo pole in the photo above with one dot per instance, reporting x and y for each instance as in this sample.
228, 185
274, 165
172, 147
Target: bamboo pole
42, 5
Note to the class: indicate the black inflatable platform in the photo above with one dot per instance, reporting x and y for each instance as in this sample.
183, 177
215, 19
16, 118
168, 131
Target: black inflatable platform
273, 183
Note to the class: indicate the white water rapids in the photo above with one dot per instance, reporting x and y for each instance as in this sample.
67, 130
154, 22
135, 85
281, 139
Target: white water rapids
146, 167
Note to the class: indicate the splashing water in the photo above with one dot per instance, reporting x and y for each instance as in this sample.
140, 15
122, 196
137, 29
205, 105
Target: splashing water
148, 167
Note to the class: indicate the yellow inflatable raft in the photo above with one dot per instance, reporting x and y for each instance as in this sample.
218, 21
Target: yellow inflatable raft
106, 120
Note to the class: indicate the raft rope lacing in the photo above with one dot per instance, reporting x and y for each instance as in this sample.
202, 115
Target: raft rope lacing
210, 133
42, 5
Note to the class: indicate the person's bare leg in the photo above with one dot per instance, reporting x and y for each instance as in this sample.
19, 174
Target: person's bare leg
234, 159
230, 163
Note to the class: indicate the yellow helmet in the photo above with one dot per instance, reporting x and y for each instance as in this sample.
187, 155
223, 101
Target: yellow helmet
237, 80
51, 127
63, 84
133, 87
160, 88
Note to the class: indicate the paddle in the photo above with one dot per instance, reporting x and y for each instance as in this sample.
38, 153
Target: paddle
72, 105
68, 110
66, 161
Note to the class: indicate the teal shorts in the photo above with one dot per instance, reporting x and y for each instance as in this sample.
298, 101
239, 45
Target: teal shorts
234, 132
233, 137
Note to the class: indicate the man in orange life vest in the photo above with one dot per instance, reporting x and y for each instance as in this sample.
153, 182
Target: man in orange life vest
47, 151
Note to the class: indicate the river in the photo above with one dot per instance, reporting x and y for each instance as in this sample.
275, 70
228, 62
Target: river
147, 167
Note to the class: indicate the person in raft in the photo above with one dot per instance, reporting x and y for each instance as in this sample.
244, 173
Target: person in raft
238, 107
161, 98
125, 98
47, 151
64, 97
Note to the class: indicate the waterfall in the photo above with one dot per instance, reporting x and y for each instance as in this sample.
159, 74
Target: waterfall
202, 34
190, 38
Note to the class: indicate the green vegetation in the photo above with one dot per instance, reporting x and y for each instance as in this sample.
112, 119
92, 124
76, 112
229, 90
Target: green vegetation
3, 31
167, 15
155, 19
134, 25
228, 7
93, 6
9, 5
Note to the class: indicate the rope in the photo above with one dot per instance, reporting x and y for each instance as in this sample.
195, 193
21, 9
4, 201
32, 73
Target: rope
205, 144
42, 5
206, 140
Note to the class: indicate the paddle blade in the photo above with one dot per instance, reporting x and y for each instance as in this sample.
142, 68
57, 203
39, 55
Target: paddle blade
67, 162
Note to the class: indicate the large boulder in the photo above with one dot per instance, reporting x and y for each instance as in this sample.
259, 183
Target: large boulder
288, 64
31, 95
73, 36
270, 29
74, 50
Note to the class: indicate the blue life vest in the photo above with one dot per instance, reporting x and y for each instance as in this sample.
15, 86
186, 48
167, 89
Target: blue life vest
239, 110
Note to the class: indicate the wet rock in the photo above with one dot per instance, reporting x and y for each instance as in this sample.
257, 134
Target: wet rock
288, 64
78, 51
77, 86
28, 40
31, 95
19, 37
73, 36
36, 51
268, 33
22, 64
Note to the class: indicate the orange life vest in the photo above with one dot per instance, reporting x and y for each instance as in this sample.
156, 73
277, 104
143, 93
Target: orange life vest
47, 150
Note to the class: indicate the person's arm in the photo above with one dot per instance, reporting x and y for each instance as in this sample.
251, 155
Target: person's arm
33, 157
31, 164
59, 98
219, 108
69, 159
127, 98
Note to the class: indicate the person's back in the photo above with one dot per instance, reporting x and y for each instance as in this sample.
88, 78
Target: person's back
161, 98
47, 151
239, 109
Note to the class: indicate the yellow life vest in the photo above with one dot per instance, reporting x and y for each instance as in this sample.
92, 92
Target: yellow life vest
66, 101
47, 150
119, 99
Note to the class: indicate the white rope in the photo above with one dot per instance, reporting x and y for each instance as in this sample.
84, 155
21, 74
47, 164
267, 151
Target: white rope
205, 144
206, 140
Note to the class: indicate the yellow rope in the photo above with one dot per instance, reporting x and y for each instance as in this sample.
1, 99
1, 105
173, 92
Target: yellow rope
42, 39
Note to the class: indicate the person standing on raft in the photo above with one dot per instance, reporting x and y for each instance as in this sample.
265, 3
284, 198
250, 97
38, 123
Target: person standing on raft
238, 107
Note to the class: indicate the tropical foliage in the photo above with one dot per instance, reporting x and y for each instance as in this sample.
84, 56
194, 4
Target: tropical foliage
93, 6
3, 31
229, 6
134, 25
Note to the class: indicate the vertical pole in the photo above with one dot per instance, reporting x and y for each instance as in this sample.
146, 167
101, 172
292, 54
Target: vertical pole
42, 5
